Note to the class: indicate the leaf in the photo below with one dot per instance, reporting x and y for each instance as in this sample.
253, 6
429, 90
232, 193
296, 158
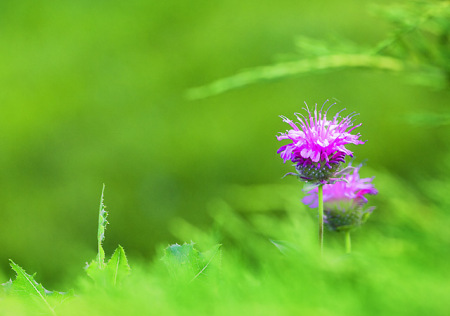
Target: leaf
94, 272
211, 259
290, 69
412, 48
117, 267
24, 285
186, 263
284, 247
102, 222
182, 259
113, 273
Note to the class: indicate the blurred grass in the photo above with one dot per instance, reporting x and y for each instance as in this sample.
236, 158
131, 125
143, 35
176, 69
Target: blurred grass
92, 92
399, 269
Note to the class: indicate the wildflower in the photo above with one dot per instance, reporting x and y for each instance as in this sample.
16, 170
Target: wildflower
344, 201
318, 144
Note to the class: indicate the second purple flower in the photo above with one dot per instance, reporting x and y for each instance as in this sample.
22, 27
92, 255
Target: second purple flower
345, 201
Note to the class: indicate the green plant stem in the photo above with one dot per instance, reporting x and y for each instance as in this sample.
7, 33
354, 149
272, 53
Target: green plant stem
321, 218
348, 242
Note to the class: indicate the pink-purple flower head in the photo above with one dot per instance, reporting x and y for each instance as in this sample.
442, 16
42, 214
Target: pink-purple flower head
344, 201
317, 144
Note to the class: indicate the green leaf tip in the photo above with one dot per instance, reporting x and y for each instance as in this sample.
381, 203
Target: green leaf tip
117, 266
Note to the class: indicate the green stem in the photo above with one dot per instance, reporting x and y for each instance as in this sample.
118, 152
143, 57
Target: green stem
348, 242
321, 218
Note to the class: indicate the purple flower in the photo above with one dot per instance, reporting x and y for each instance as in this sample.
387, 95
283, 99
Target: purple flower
344, 201
318, 144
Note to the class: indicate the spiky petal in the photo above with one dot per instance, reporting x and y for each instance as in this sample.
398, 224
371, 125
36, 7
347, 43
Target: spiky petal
317, 144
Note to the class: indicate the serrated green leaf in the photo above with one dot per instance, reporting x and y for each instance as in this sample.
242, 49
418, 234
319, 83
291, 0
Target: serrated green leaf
113, 272
25, 286
117, 267
182, 261
186, 263
181, 254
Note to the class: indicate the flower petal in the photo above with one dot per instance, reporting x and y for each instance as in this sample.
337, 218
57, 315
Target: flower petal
315, 156
305, 153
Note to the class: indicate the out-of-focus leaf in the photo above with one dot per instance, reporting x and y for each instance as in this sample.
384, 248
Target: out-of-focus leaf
295, 68
185, 263
284, 247
408, 49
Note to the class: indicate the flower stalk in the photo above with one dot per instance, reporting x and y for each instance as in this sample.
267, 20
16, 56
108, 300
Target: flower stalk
348, 242
342, 205
321, 218
317, 147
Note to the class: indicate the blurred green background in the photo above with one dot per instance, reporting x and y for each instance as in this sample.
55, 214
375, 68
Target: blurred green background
93, 92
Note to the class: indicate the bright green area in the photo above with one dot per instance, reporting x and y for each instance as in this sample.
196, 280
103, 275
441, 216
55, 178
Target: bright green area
93, 92
269, 265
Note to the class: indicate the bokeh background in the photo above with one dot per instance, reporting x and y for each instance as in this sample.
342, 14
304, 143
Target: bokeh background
94, 92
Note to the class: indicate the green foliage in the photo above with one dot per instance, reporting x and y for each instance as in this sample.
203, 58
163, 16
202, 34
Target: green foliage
271, 264
113, 272
86, 103
418, 47
116, 269
26, 287
79, 97
117, 266
184, 262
